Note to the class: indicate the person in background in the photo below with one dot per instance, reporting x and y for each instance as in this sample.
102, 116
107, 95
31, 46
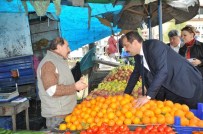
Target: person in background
57, 88
197, 35
175, 41
192, 49
167, 75
112, 47
120, 45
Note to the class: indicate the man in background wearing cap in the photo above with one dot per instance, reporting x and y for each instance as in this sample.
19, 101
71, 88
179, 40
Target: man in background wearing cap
175, 41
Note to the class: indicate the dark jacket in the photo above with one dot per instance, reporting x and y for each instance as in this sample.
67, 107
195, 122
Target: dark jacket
168, 69
196, 51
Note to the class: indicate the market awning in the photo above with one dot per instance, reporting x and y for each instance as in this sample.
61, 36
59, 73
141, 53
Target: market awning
73, 20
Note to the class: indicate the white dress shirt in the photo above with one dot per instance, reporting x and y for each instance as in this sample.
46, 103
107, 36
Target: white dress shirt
176, 49
144, 60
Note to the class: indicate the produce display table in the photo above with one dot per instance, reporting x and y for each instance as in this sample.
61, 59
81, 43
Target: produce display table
12, 109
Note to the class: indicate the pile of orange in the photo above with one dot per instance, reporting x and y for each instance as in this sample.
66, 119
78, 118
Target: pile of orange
119, 110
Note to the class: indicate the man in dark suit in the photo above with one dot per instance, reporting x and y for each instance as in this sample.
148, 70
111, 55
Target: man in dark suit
166, 74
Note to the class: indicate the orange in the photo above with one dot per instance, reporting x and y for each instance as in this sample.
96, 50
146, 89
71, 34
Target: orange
161, 119
123, 102
177, 105
124, 110
88, 111
62, 126
138, 114
200, 123
110, 110
145, 120
79, 127
184, 121
157, 111
147, 106
148, 113
84, 109
105, 120
128, 114
86, 116
113, 105
133, 110
185, 108
127, 121
113, 99
111, 123
110, 115
142, 108
136, 120
168, 103
118, 113
97, 119
152, 103
179, 113
169, 119
103, 111
100, 114
93, 124
93, 101
76, 111
193, 122
87, 104
122, 117
165, 110
90, 120
119, 122
153, 120
189, 115
96, 108
73, 118
119, 98
73, 127
99, 99
93, 113
67, 118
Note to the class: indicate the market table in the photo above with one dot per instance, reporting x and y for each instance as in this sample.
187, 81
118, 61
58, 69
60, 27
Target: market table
14, 108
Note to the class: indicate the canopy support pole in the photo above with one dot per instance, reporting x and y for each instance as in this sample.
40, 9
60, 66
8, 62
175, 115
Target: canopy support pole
149, 21
160, 19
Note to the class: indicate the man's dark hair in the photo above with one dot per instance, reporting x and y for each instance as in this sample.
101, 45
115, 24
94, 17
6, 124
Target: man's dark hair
131, 36
55, 42
173, 33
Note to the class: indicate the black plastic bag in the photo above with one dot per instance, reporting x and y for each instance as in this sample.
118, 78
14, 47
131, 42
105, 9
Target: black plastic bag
76, 72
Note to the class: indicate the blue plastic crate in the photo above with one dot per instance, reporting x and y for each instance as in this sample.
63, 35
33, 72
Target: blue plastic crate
6, 122
199, 111
185, 129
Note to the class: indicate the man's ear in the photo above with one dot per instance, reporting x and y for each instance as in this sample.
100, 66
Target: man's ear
134, 42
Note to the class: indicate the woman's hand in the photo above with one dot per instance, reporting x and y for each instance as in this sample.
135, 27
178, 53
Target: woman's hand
196, 62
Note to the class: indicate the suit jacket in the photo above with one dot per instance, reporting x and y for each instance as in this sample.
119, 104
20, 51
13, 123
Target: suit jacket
168, 69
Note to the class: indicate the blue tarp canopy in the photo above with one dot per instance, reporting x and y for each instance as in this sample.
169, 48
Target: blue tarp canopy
73, 21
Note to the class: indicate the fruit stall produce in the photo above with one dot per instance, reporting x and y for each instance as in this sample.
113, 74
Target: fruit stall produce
107, 105
115, 82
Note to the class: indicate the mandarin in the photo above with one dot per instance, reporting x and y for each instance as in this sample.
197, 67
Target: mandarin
62, 126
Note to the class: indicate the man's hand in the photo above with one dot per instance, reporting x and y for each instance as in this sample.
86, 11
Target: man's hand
141, 101
81, 84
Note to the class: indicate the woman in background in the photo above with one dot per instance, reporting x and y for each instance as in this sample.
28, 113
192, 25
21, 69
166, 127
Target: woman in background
192, 49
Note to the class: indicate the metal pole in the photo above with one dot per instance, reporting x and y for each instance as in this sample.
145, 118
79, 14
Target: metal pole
160, 19
149, 22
